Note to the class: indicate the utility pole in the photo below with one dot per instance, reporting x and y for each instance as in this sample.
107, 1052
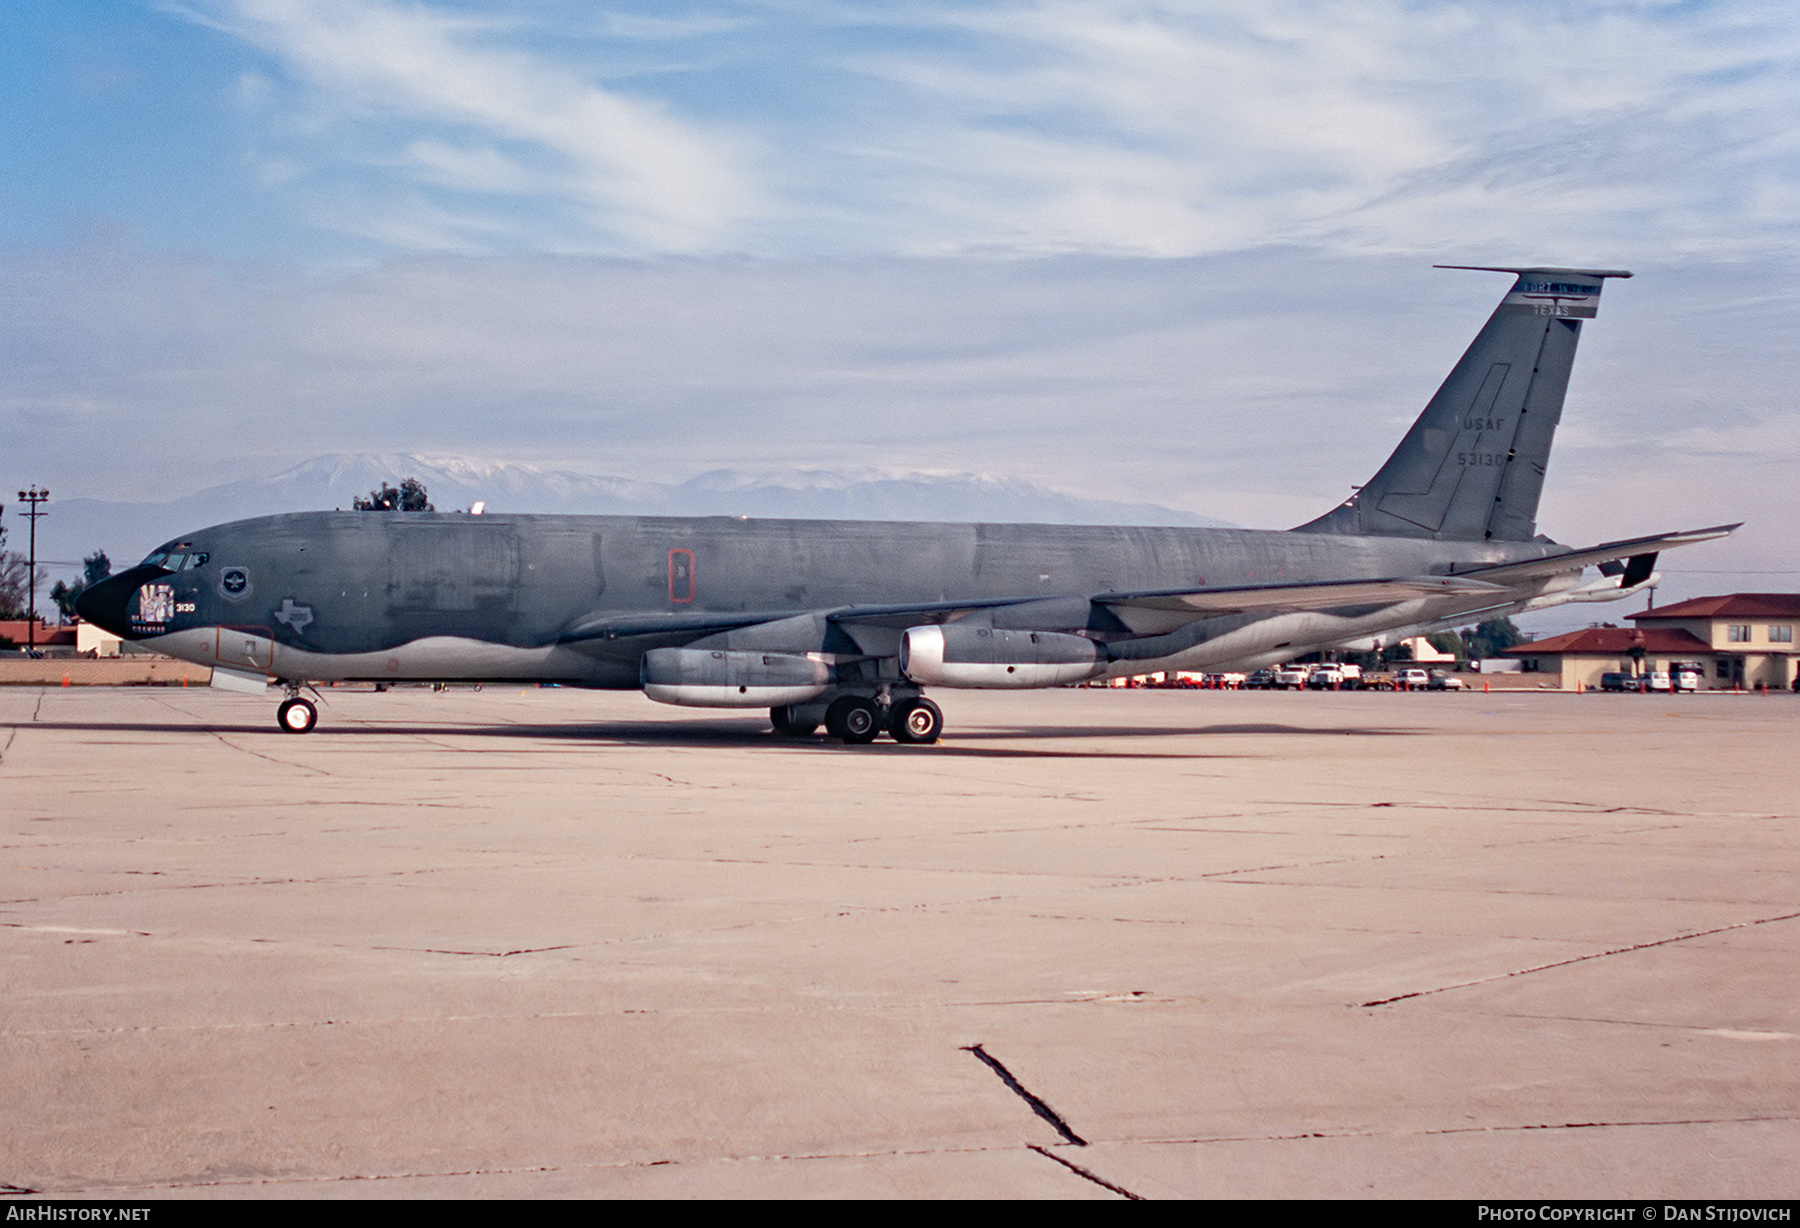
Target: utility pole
31, 499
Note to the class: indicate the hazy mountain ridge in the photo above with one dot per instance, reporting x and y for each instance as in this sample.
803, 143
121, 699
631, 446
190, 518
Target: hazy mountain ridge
127, 531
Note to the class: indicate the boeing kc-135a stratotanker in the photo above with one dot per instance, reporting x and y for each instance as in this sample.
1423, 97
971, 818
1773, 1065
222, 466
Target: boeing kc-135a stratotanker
846, 622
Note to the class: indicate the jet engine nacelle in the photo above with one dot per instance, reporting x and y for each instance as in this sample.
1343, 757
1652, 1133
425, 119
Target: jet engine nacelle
707, 678
983, 657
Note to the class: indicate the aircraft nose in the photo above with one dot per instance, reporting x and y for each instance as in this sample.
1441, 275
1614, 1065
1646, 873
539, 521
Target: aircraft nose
107, 603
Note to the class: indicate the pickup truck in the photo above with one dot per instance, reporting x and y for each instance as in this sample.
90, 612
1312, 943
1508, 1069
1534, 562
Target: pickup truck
1291, 677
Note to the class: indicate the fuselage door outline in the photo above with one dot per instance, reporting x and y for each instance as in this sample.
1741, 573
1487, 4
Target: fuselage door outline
237, 646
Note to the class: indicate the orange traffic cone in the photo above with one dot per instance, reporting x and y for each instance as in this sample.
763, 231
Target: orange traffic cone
65, 680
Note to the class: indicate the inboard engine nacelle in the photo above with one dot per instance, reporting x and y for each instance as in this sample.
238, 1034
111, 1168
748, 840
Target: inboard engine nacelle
984, 657
708, 678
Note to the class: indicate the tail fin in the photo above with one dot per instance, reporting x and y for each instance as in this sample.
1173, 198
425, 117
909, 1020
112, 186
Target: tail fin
1473, 464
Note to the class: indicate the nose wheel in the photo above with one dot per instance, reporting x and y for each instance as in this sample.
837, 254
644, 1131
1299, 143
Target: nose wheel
296, 715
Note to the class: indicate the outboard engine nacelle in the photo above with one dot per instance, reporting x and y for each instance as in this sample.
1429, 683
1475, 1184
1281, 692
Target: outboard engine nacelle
708, 678
983, 657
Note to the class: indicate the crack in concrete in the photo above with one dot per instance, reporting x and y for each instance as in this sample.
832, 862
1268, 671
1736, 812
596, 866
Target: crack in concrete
266, 758
333, 880
1563, 963
1079, 1171
567, 946
12, 730
1750, 1034
1448, 1130
223, 740
115, 1190
985, 871
1037, 1106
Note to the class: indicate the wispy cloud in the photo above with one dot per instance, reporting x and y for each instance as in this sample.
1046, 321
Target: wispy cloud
1155, 127
1175, 128
641, 176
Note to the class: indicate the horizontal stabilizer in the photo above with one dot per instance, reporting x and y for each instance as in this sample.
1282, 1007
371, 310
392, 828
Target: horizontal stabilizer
1508, 573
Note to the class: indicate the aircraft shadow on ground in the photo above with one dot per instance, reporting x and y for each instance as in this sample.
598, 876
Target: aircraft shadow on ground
975, 742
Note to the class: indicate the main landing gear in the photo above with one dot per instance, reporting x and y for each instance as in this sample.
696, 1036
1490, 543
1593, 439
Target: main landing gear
791, 721
857, 720
916, 720
296, 715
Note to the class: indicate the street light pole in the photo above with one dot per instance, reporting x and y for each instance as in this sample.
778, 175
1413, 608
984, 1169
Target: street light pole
31, 498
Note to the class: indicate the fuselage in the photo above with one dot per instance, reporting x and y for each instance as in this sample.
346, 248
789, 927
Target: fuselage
580, 599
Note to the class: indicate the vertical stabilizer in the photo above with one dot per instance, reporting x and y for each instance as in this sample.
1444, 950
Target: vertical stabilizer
1473, 465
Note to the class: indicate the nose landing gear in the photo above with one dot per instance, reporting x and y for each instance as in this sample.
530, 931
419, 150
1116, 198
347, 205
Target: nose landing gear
296, 715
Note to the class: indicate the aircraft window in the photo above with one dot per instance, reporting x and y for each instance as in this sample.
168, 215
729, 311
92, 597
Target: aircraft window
193, 560
159, 559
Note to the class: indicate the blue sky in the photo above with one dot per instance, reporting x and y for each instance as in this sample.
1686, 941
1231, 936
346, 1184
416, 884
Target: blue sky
1169, 251
344, 129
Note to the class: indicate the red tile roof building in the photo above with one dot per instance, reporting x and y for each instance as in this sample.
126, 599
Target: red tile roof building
17, 629
1740, 641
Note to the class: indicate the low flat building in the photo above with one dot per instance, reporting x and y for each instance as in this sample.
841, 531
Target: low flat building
96, 640
1426, 653
1738, 642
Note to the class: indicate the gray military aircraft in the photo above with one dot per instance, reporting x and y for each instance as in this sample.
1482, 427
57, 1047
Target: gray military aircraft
846, 622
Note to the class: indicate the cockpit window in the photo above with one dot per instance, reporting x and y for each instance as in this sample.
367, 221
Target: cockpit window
176, 560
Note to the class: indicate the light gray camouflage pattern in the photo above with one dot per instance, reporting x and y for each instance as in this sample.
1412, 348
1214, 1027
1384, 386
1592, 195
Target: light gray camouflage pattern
847, 621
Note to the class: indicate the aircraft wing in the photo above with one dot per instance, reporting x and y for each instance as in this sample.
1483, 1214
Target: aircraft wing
1175, 607
1641, 551
1320, 595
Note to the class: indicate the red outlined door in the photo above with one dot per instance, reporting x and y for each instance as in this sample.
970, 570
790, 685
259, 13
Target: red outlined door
681, 576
